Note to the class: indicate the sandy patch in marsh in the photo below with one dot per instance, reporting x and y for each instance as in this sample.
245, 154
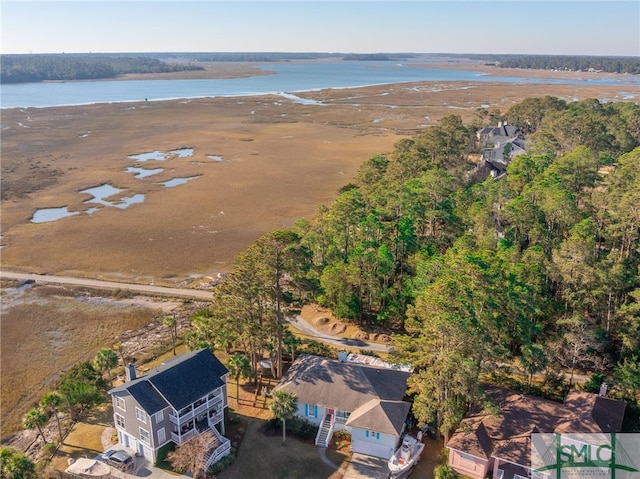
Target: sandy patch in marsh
280, 160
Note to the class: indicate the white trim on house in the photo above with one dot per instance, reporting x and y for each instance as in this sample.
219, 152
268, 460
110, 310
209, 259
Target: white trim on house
467, 454
119, 420
145, 436
141, 415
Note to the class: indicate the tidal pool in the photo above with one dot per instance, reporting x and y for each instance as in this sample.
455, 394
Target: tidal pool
127, 201
153, 155
178, 181
52, 214
101, 192
143, 173
182, 152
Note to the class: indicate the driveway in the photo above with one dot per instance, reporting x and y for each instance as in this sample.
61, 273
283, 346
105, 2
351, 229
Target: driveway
366, 467
309, 330
143, 468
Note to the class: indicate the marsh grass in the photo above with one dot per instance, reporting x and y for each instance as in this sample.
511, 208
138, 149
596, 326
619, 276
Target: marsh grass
45, 333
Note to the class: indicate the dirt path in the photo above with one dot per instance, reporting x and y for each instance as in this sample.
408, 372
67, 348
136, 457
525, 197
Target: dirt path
307, 329
95, 283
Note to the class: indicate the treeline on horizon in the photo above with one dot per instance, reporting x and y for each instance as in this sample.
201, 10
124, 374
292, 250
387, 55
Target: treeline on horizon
630, 65
481, 279
61, 67
76, 66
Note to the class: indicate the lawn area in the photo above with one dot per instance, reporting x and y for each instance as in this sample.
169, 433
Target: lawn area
265, 457
84, 440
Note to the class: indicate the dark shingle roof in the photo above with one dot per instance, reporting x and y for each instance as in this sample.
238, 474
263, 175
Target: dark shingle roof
181, 381
147, 397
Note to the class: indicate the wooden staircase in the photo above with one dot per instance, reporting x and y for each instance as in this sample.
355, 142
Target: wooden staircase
325, 432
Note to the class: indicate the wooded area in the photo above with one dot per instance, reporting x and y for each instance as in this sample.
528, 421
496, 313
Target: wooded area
38, 68
630, 65
537, 270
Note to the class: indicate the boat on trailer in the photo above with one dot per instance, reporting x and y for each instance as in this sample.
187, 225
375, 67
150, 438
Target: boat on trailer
405, 457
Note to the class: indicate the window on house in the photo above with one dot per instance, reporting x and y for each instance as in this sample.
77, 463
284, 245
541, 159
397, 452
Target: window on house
159, 417
141, 415
372, 434
144, 436
120, 421
311, 410
120, 403
162, 436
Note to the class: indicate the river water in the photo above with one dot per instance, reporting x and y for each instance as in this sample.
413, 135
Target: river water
288, 77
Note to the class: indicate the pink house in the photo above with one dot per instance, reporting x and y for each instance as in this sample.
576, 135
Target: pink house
499, 446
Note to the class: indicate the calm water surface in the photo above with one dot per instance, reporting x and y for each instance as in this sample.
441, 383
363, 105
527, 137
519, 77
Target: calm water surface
287, 78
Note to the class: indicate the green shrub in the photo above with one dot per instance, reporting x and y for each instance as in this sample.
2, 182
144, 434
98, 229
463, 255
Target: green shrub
49, 449
161, 459
296, 427
444, 471
222, 464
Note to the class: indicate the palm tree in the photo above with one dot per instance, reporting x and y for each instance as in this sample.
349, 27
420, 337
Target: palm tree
106, 360
35, 419
238, 365
15, 465
171, 323
51, 402
284, 404
119, 349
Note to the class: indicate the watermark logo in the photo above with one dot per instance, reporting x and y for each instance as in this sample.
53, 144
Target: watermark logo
585, 456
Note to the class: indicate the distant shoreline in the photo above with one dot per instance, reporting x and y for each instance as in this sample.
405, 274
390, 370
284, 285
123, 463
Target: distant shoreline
231, 70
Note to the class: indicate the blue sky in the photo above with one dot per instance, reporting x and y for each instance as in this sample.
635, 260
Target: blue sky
539, 27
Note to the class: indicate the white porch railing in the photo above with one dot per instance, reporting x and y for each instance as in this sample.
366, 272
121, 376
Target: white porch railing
216, 402
216, 418
181, 439
340, 421
325, 431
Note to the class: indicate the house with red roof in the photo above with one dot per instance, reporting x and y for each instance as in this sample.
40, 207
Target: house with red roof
499, 445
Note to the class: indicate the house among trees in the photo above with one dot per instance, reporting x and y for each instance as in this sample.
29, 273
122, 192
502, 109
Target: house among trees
183, 398
501, 144
498, 445
366, 401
